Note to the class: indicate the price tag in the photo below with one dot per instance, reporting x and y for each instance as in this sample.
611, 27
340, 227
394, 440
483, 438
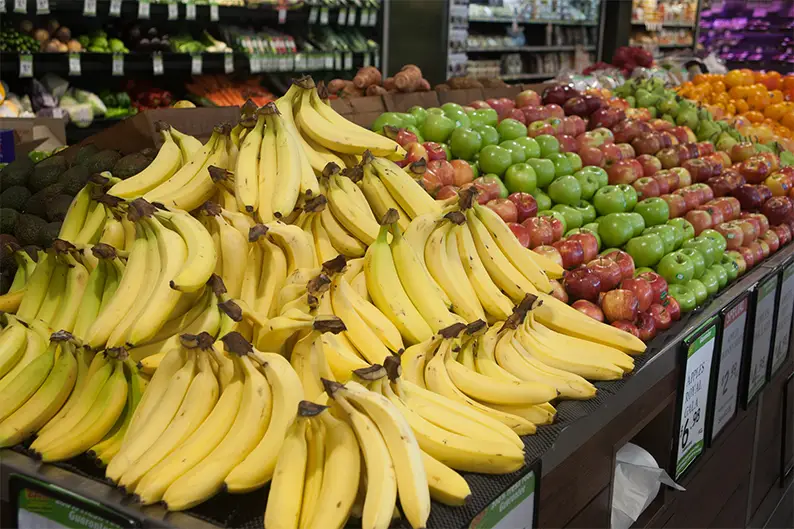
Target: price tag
329, 62
337, 61
74, 64
118, 64
784, 318
348, 61
762, 336
89, 8
115, 8
2, 6
196, 64
364, 18
342, 18
299, 64
314, 13
143, 9
42, 7
726, 391
157, 63
190, 11
699, 352
228, 62
282, 15
214, 13
351, 16
21, 6
324, 16
25, 65
173, 11
515, 508
367, 60
376, 55
373, 17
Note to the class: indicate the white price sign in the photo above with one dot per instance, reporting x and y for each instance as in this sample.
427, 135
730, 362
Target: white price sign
190, 11
143, 9
348, 61
157, 64
762, 336
173, 11
730, 365
314, 13
21, 6
228, 62
337, 61
74, 64
196, 64
351, 16
514, 509
324, 16
42, 7
364, 18
377, 59
89, 8
214, 13
115, 8
282, 15
373, 17
784, 319
342, 18
25, 65
118, 64
694, 399
367, 60
329, 62
2, 6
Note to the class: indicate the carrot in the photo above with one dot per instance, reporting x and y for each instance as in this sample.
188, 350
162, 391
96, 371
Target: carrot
367, 77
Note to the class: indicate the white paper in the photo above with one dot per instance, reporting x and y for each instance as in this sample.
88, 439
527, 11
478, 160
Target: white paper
341, 19
74, 64
157, 64
214, 13
173, 11
115, 8
190, 11
762, 337
783, 328
313, 14
228, 63
196, 64
351, 16
89, 8
42, 7
282, 16
324, 16
25, 65
21, 6
143, 9
118, 64
727, 389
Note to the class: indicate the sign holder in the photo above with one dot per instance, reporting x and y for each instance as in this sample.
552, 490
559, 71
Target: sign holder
697, 354
727, 367
517, 507
762, 329
783, 321
787, 432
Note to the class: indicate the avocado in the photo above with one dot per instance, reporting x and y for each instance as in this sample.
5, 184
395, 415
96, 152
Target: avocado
49, 233
57, 207
101, 161
130, 165
37, 204
16, 173
14, 197
46, 173
85, 152
8, 220
8, 245
74, 179
149, 152
30, 229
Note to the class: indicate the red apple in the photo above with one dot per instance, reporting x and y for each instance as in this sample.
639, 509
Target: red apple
690, 196
582, 283
558, 291
434, 151
620, 304
661, 317
735, 205
765, 248
682, 134
650, 164
526, 205
699, 219
668, 158
660, 124
778, 210
446, 192
749, 228
677, 205
748, 255
627, 326
479, 103
646, 326
535, 113
647, 143
758, 250
749, 197
766, 193
641, 288
646, 187
555, 111
658, 285
724, 207
589, 244
415, 152
761, 221
720, 185
608, 270
527, 98
742, 151
699, 168
772, 158
716, 213
626, 151
463, 172
756, 169
673, 308
612, 153
667, 179
738, 258
588, 307
624, 172
549, 252
591, 156
684, 178
783, 232
567, 143
626, 130
706, 193
557, 229
668, 139
521, 233
572, 253
540, 232
624, 260
734, 235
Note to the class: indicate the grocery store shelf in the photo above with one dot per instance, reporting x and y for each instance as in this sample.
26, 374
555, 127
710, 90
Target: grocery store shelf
665, 25
534, 49
509, 20
526, 76
675, 46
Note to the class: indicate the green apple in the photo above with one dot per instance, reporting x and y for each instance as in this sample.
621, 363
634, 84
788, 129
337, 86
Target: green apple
630, 194
437, 128
642, 270
544, 171
700, 290
686, 227
519, 156
419, 114
722, 275
531, 147
711, 281
562, 166
676, 268
573, 219
548, 145
609, 199
717, 239
520, 178
556, 215
678, 233
600, 173
646, 250
495, 159
488, 134
465, 143
585, 229
565, 190
654, 211
575, 160
587, 210
607, 251
588, 181
668, 237
637, 222
543, 200
614, 230
705, 247
510, 129
730, 266
697, 259
684, 296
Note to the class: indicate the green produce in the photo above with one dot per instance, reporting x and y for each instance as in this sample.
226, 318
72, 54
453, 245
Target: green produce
676, 268
30, 229
46, 173
614, 230
531, 147
14, 197
516, 150
37, 203
510, 129
667, 233
548, 145
711, 281
562, 166
574, 160
730, 267
8, 220
85, 152
544, 171
697, 259
573, 219
687, 230
557, 215
705, 247
520, 178
543, 200
487, 133
587, 210
609, 199
636, 220
721, 273
716, 238
588, 181
699, 289
57, 207
631, 196
102, 161
684, 296
484, 116
465, 143
495, 159
654, 211
437, 128
646, 250
565, 190
74, 178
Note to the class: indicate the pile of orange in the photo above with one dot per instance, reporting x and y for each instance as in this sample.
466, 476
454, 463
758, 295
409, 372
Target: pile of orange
762, 98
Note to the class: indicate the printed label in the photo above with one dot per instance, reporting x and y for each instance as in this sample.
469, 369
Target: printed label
514, 509
74, 64
784, 319
727, 389
25, 65
762, 337
118, 64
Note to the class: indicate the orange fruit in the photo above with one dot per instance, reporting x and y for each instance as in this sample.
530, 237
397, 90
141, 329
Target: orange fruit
775, 96
734, 78
754, 116
775, 111
742, 106
700, 79
788, 121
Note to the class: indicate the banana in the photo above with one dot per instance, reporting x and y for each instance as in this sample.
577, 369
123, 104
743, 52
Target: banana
55, 291
403, 448
273, 276
289, 169
415, 358
360, 222
176, 324
201, 254
76, 214
322, 241
29, 379
206, 478
346, 183
35, 346
200, 398
343, 468
358, 331
410, 195
519, 256
129, 233
278, 330
379, 198
96, 423
444, 264
315, 462
247, 170
552, 269
383, 328
188, 145
381, 493
76, 281
115, 274
496, 304
298, 247
446, 485
13, 340
202, 186
187, 172
258, 466
91, 299
10, 301
342, 240
166, 163
43, 404
305, 359
36, 288
268, 167
94, 225
84, 358
383, 284
283, 509
25, 268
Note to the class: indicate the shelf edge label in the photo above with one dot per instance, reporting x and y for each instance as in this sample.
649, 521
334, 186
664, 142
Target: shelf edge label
730, 366
513, 509
762, 336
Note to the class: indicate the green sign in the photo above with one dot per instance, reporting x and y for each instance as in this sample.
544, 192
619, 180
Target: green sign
39, 510
514, 509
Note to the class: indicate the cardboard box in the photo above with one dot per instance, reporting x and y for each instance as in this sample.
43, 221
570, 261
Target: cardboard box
398, 102
509, 92
29, 134
461, 97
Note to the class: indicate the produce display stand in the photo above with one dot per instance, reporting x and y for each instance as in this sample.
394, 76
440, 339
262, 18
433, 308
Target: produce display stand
736, 478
